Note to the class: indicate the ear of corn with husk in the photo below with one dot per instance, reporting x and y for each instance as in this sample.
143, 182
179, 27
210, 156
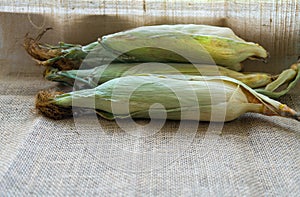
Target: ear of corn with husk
177, 44
214, 98
98, 75
161, 43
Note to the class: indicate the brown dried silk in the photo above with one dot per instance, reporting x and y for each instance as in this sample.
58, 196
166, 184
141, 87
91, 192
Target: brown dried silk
51, 110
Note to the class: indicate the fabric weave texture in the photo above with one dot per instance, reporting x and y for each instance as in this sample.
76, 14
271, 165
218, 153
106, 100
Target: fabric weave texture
254, 155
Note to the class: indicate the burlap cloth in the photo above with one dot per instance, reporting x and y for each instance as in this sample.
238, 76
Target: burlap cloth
254, 155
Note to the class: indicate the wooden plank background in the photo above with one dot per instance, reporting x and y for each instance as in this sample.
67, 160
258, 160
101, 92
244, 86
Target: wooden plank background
273, 24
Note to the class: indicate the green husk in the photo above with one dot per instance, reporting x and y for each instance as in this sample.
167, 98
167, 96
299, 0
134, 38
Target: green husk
200, 98
184, 43
289, 77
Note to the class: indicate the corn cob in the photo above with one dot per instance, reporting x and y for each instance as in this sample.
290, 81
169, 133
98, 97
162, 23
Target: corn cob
161, 43
205, 95
98, 75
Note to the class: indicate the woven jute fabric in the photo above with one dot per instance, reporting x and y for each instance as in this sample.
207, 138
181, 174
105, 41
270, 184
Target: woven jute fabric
254, 155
